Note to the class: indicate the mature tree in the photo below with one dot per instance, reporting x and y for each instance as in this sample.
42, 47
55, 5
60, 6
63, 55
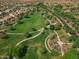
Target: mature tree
26, 16
20, 22
76, 43
12, 28
57, 27
58, 8
10, 56
6, 36
28, 35
52, 27
22, 51
44, 51
72, 38
41, 6
11, 52
34, 29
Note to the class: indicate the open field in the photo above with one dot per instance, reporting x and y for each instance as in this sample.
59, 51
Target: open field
35, 21
28, 24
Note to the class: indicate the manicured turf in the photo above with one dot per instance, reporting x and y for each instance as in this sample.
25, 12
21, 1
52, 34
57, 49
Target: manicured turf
7, 43
31, 54
36, 47
35, 21
72, 54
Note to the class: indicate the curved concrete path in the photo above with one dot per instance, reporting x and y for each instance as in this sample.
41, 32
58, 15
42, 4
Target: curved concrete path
46, 44
41, 31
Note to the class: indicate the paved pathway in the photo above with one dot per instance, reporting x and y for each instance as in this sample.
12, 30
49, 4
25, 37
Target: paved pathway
46, 44
15, 33
41, 31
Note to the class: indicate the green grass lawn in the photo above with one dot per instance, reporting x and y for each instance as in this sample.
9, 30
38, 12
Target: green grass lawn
31, 54
36, 47
72, 54
36, 53
35, 21
6, 44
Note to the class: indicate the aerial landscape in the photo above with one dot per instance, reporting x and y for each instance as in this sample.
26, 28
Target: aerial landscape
39, 29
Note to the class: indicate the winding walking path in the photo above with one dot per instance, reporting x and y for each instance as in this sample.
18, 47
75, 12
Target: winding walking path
46, 44
41, 31
15, 33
